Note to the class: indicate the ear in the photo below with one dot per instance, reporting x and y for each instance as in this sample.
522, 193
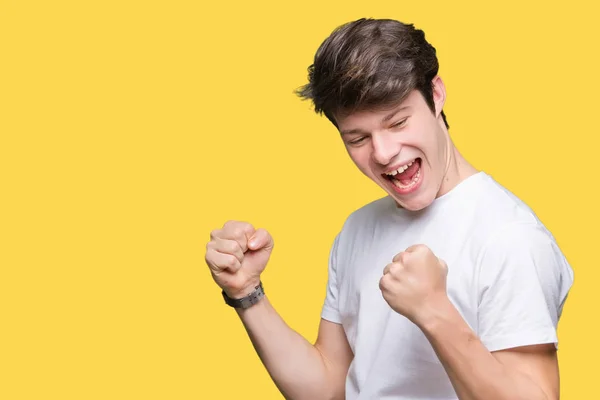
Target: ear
439, 94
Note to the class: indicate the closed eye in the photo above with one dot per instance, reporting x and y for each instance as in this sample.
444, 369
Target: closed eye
357, 140
399, 124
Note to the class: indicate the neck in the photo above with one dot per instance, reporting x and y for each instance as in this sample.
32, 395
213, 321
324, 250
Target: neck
457, 168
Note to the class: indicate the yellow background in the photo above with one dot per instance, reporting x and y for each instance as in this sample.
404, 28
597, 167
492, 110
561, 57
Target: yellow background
130, 129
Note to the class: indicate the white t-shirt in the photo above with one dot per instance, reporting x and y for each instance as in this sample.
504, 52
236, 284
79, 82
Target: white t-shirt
506, 276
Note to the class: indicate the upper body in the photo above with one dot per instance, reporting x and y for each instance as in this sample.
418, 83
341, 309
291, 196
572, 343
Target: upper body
506, 276
449, 287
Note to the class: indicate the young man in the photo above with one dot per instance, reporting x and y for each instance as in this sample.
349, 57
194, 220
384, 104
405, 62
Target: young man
449, 287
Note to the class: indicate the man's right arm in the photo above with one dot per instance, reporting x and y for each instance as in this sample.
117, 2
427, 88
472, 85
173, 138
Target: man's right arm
298, 368
237, 254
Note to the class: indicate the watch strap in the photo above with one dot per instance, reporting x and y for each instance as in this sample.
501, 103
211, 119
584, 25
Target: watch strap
246, 301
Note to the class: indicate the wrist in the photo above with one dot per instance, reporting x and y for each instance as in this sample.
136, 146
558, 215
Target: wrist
247, 301
434, 312
238, 293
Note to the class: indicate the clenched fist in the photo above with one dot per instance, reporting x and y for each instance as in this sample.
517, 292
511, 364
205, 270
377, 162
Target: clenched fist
414, 281
236, 256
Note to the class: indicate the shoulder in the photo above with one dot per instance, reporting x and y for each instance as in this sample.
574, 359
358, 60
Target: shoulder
510, 227
374, 209
506, 235
365, 225
520, 237
499, 218
369, 214
502, 207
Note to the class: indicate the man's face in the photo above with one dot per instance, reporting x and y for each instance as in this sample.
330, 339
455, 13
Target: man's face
405, 150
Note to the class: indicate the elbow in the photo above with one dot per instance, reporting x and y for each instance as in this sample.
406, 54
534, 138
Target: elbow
333, 396
332, 393
540, 395
544, 396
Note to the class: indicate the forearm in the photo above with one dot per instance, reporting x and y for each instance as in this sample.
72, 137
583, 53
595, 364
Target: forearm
474, 372
295, 365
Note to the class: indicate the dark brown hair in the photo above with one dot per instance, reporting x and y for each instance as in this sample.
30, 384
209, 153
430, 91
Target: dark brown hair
370, 64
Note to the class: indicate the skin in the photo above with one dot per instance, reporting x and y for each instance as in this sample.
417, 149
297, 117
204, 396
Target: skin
413, 283
236, 256
380, 141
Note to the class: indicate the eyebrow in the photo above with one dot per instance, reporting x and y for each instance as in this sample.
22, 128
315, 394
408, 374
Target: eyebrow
384, 119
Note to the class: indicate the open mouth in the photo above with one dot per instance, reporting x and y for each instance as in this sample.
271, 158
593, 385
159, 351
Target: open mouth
406, 178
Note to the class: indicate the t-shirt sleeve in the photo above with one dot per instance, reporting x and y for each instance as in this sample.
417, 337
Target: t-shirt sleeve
330, 309
523, 285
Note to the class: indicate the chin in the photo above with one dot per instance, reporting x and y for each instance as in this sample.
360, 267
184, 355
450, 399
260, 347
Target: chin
417, 200
416, 204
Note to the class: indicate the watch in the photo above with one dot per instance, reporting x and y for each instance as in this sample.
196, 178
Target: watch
247, 301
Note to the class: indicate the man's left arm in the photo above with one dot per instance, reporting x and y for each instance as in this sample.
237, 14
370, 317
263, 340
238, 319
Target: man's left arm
527, 372
522, 286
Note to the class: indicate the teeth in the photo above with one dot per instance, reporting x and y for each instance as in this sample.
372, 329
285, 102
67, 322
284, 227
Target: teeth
401, 169
411, 184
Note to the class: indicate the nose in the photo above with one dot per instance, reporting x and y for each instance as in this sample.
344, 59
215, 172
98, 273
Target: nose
384, 148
